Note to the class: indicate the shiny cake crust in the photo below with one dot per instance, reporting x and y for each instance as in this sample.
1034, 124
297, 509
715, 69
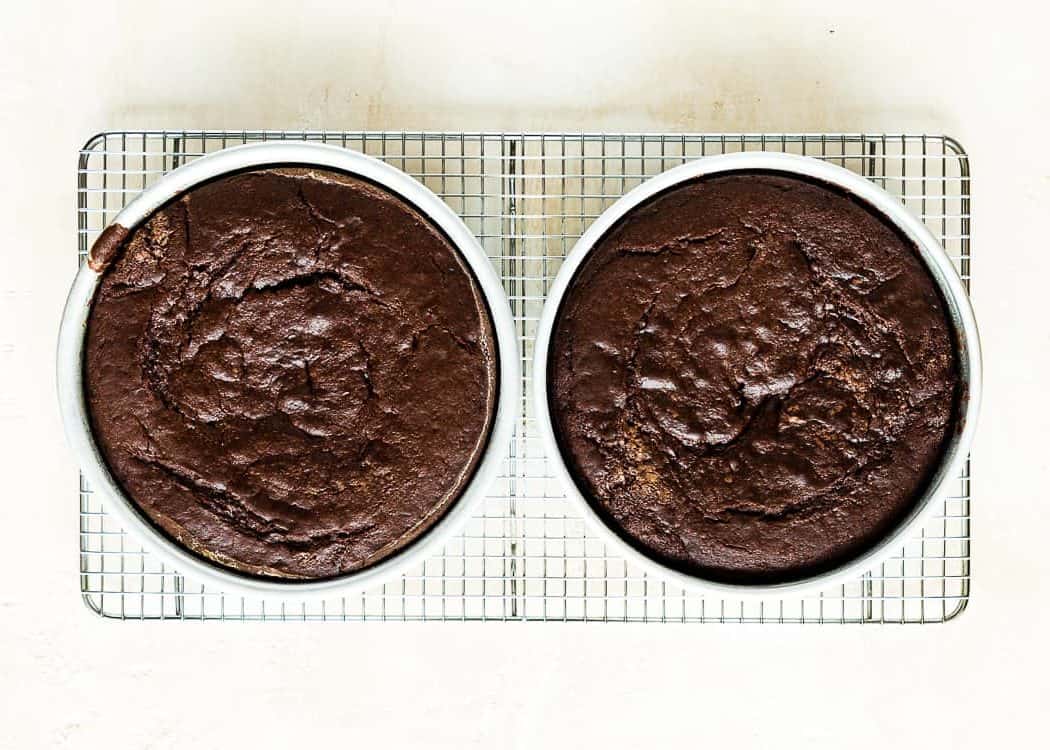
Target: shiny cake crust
290, 371
752, 377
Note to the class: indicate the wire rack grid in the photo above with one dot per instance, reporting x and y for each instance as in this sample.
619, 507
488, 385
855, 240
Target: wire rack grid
525, 555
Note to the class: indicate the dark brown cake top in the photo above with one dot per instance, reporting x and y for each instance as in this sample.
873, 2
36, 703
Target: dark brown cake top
752, 377
291, 372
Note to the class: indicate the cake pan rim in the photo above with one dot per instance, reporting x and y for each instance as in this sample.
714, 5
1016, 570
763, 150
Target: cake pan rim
959, 313
73, 404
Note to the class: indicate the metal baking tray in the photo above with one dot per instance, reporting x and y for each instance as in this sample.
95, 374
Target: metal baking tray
525, 555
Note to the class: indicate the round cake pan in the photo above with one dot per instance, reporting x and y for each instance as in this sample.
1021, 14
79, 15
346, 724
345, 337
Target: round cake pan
73, 403
959, 312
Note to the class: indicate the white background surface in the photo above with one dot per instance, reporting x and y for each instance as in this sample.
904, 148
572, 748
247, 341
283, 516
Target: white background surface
68, 679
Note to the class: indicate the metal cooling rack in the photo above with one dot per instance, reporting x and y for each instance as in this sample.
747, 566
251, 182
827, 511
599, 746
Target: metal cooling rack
525, 556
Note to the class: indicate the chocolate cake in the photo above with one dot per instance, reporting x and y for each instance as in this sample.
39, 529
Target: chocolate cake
752, 377
290, 371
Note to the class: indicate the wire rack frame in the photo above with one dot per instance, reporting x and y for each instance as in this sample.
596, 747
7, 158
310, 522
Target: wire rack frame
525, 555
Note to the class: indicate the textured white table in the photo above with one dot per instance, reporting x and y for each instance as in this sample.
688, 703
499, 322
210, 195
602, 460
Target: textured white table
69, 69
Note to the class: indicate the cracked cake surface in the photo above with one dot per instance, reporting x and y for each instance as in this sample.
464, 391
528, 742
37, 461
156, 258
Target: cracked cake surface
752, 377
291, 371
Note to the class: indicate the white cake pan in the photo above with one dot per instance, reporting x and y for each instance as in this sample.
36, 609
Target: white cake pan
74, 407
958, 310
